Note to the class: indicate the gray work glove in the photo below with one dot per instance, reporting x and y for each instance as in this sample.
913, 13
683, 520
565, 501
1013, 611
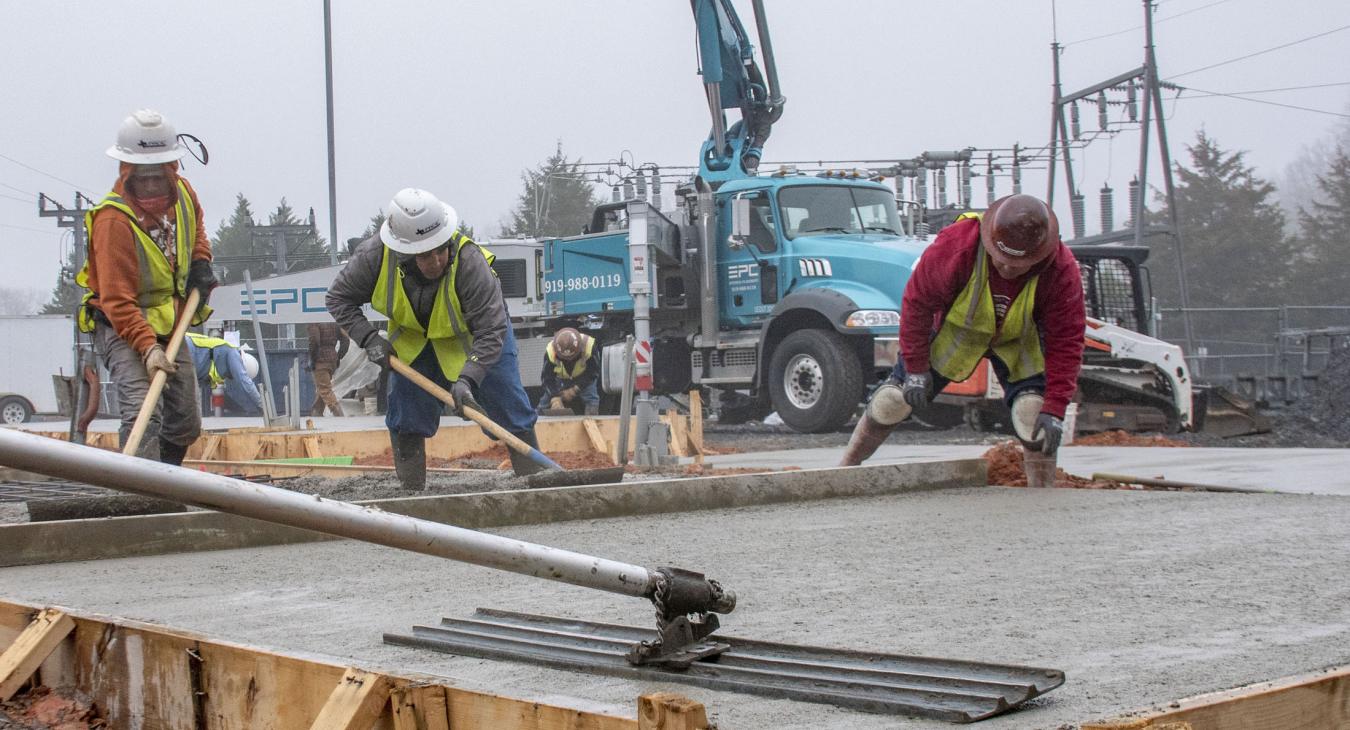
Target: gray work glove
917, 388
378, 350
462, 390
156, 359
1053, 430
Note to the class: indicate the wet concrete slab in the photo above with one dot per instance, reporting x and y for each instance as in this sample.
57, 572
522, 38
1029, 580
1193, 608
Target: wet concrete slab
1304, 471
1141, 597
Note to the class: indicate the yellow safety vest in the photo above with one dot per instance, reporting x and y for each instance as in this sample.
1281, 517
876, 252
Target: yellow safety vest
560, 367
160, 282
970, 329
210, 343
448, 332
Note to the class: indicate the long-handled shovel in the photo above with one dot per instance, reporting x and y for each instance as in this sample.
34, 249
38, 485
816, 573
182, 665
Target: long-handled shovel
157, 382
553, 474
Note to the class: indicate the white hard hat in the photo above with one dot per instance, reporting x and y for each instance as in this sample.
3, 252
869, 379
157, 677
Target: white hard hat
250, 364
416, 222
147, 138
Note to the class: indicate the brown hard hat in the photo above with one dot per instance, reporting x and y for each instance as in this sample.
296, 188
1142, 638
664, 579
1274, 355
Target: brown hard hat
567, 343
1018, 230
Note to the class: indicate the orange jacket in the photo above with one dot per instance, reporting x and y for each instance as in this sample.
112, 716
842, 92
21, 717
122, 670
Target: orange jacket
114, 271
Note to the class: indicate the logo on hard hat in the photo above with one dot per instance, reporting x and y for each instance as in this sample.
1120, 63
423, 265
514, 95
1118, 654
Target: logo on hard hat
149, 143
1008, 250
428, 229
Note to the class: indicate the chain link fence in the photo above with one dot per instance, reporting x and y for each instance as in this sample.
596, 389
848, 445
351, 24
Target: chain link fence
1268, 353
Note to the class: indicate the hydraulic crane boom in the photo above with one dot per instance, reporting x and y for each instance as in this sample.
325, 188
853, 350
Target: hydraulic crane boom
733, 80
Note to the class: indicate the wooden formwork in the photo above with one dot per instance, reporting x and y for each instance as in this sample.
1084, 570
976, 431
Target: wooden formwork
145, 675
450, 442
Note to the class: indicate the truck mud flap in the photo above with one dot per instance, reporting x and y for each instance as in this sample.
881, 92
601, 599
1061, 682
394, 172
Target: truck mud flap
944, 689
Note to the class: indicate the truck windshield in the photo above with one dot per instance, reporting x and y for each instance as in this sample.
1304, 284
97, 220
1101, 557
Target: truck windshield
814, 209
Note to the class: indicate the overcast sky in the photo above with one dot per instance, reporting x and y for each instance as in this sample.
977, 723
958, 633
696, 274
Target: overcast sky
460, 97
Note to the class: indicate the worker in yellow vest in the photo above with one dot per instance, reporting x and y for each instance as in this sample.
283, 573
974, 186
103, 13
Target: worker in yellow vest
147, 249
571, 373
217, 362
447, 319
1001, 286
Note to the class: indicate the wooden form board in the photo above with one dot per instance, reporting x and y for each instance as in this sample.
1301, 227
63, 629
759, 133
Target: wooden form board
1306, 702
145, 675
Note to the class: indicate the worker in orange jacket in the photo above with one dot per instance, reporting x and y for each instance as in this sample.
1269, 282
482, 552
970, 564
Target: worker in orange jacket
147, 249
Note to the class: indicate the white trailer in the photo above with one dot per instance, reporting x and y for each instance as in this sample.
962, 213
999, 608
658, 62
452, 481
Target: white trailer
40, 347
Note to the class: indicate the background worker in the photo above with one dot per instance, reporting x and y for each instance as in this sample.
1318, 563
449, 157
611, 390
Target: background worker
1000, 285
217, 362
447, 319
147, 248
327, 347
571, 373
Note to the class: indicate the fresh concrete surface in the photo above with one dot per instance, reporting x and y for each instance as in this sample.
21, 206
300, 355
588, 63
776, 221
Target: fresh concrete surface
221, 423
1304, 471
95, 539
1141, 597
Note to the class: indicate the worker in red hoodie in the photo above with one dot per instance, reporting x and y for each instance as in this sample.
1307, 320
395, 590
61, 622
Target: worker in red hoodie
1000, 285
147, 249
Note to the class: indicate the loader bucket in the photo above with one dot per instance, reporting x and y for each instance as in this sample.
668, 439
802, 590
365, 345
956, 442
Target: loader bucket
1222, 412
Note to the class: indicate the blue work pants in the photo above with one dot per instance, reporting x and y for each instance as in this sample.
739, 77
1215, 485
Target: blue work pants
413, 410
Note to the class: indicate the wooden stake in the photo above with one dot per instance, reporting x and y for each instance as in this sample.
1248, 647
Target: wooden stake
669, 711
597, 439
420, 707
696, 424
356, 703
679, 438
33, 646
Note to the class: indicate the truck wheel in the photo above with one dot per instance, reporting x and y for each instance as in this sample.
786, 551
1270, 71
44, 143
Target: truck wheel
14, 410
815, 381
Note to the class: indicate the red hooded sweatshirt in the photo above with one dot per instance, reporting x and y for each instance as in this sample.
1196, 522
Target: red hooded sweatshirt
943, 271
115, 272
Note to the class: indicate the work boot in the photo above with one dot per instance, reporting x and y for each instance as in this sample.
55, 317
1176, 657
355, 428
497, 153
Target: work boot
410, 459
1039, 468
171, 453
522, 464
886, 408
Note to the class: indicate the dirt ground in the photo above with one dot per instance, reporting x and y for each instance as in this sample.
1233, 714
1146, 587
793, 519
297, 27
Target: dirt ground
45, 709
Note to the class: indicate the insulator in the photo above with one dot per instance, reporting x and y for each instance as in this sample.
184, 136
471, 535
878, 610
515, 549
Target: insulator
1076, 204
1075, 128
1101, 110
921, 230
1016, 171
921, 189
942, 187
614, 194
1132, 101
656, 187
966, 196
628, 193
989, 180
1108, 209
1134, 198
641, 186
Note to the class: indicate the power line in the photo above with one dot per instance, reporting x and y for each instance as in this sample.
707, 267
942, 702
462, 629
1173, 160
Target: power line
18, 190
29, 201
1265, 101
1140, 27
26, 228
1265, 91
1258, 53
25, 165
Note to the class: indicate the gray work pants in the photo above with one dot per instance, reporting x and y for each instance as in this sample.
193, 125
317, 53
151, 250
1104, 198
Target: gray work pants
177, 417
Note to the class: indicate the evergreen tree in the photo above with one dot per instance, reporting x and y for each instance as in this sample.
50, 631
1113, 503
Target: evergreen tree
67, 295
1322, 269
232, 246
303, 252
557, 200
1237, 254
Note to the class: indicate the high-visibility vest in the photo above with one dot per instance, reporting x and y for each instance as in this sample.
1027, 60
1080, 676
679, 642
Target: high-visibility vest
560, 366
210, 343
971, 329
160, 282
447, 331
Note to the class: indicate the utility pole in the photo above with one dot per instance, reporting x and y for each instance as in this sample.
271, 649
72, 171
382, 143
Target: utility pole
1144, 77
278, 235
332, 163
72, 218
